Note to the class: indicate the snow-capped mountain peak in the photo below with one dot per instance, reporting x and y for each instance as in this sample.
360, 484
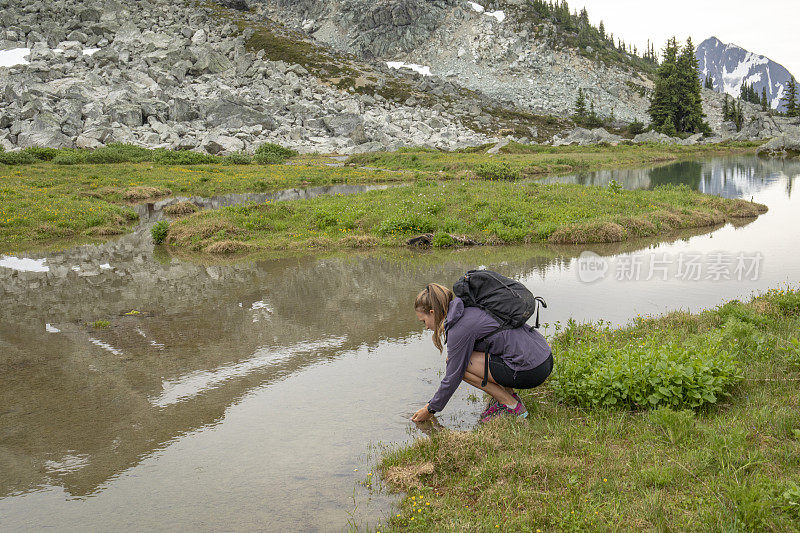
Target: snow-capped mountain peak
730, 66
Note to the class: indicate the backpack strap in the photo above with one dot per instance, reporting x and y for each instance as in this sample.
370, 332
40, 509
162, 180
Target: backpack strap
539, 301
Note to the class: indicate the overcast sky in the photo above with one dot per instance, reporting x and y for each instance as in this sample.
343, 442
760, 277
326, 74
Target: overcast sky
765, 27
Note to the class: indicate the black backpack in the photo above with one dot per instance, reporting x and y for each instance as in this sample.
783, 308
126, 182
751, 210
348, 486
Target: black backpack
508, 301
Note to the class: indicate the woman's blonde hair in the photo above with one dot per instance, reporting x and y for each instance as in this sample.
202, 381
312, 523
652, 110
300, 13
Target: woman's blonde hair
437, 298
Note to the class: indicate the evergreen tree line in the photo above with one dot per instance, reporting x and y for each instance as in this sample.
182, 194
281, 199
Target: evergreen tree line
559, 13
676, 105
748, 93
732, 110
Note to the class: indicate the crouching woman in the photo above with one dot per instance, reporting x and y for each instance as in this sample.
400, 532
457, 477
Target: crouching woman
518, 358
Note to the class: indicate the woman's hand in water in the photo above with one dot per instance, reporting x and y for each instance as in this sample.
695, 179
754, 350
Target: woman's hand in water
422, 415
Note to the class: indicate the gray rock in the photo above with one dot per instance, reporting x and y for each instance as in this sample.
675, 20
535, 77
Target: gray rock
155, 108
346, 125
781, 146
210, 61
127, 113
89, 14
93, 138
199, 37
181, 110
654, 136
222, 144
583, 136
45, 130
692, 140
235, 115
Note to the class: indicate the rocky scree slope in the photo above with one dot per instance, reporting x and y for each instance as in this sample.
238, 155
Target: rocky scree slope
185, 75
497, 48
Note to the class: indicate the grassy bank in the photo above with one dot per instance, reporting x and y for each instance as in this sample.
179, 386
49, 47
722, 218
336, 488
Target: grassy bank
484, 211
44, 202
533, 160
687, 422
57, 197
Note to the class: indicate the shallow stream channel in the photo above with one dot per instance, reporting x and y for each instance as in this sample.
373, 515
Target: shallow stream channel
140, 390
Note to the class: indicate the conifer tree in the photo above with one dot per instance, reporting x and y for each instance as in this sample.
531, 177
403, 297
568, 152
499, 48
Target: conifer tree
790, 100
726, 108
677, 94
709, 83
689, 116
580, 105
602, 30
764, 100
665, 91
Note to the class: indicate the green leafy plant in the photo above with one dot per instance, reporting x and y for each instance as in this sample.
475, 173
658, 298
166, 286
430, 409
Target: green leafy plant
271, 154
17, 158
42, 153
645, 374
496, 171
69, 158
615, 186
791, 500
119, 153
238, 158
159, 231
183, 157
442, 240
101, 324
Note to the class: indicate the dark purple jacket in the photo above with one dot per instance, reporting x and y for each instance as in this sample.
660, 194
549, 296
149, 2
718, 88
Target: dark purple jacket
522, 348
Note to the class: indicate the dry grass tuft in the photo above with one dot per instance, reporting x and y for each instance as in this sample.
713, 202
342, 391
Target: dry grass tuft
144, 193
408, 477
638, 226
668, 219
183, 234
586, 233
180, 209
744, 209
226, 247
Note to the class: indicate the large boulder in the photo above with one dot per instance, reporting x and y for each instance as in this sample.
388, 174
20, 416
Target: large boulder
93, 138
182, 110
235, 115
346, 125
127, 113
217, 144
784, 145
209, 61
45, 130
655, 137
691, 140
583, 137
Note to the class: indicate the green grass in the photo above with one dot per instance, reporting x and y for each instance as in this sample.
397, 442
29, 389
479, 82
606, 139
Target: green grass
45, 204
532, 160
489, 212
731, 464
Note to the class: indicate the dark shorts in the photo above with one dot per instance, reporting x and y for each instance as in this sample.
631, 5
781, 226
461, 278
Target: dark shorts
526, 379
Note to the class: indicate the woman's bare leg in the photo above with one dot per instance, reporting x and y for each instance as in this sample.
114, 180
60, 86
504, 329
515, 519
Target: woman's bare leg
474, 376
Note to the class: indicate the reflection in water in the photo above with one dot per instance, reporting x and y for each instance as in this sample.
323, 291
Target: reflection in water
243, 396
152, 212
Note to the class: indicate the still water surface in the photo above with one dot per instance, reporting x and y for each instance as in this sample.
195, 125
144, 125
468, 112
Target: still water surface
257, 395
